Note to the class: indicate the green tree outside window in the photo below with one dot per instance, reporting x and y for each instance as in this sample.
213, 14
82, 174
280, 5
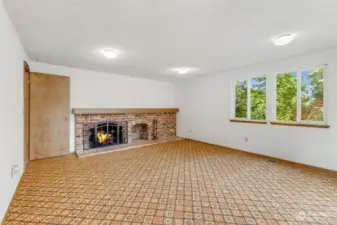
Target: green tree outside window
241, 99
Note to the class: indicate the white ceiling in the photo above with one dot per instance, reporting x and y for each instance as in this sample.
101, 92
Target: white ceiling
156, 35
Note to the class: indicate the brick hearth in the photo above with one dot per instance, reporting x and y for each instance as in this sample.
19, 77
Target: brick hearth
166, 124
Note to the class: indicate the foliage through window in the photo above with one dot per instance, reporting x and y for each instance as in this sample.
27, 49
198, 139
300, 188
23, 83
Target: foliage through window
258, 98
312, 95
286, 96
241, 99
255, 90
299, 97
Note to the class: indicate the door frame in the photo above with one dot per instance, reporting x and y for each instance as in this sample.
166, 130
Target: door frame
26, 116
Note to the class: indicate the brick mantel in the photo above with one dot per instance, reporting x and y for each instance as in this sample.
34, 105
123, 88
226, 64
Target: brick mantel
123, 110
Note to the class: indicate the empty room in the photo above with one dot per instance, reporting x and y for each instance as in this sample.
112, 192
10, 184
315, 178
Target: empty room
177, 112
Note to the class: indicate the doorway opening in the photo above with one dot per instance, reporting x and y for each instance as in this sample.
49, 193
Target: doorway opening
26, 74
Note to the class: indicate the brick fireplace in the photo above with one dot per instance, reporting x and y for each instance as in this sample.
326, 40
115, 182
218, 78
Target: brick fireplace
128, 126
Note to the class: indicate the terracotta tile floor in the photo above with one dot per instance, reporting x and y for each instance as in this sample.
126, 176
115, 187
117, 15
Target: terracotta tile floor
182, 182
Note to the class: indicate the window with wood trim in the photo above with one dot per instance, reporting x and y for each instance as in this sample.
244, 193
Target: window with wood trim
300, 96
250, 99
294, 97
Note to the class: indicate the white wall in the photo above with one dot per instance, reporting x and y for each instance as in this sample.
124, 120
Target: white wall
90, 89
11, 109
205, 108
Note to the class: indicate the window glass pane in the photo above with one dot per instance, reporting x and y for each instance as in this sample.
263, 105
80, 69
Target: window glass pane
312, 95
241, 99
258, 98
286, 102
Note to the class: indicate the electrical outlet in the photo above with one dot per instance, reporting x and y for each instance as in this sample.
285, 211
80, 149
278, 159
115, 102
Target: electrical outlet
246, 139
14, 170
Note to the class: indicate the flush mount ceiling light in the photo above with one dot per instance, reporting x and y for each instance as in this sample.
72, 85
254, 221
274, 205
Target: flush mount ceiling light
182, 70
283, 39
110, 53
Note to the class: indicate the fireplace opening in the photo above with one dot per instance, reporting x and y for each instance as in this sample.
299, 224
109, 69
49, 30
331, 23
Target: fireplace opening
103, 134
140, 132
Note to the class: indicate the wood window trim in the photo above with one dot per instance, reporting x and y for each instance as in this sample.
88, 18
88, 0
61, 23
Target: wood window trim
248, 121
281, 123
290, 124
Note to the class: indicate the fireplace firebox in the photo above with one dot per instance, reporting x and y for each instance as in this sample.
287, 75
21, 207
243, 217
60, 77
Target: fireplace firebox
104, 134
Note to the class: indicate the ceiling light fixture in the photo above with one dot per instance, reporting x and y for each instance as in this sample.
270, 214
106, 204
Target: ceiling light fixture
110, 53
182, 70
283, 39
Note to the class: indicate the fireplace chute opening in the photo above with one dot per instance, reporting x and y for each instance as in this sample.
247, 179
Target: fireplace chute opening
140, 132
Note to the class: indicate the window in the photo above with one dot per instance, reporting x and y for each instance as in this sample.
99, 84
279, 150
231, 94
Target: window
250, 99
286, 96
241, 99
258, 98
312, 95
294, 96
300, 96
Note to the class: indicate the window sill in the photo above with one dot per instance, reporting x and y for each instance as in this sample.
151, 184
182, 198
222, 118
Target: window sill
281, 123
248, 121
294, 124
